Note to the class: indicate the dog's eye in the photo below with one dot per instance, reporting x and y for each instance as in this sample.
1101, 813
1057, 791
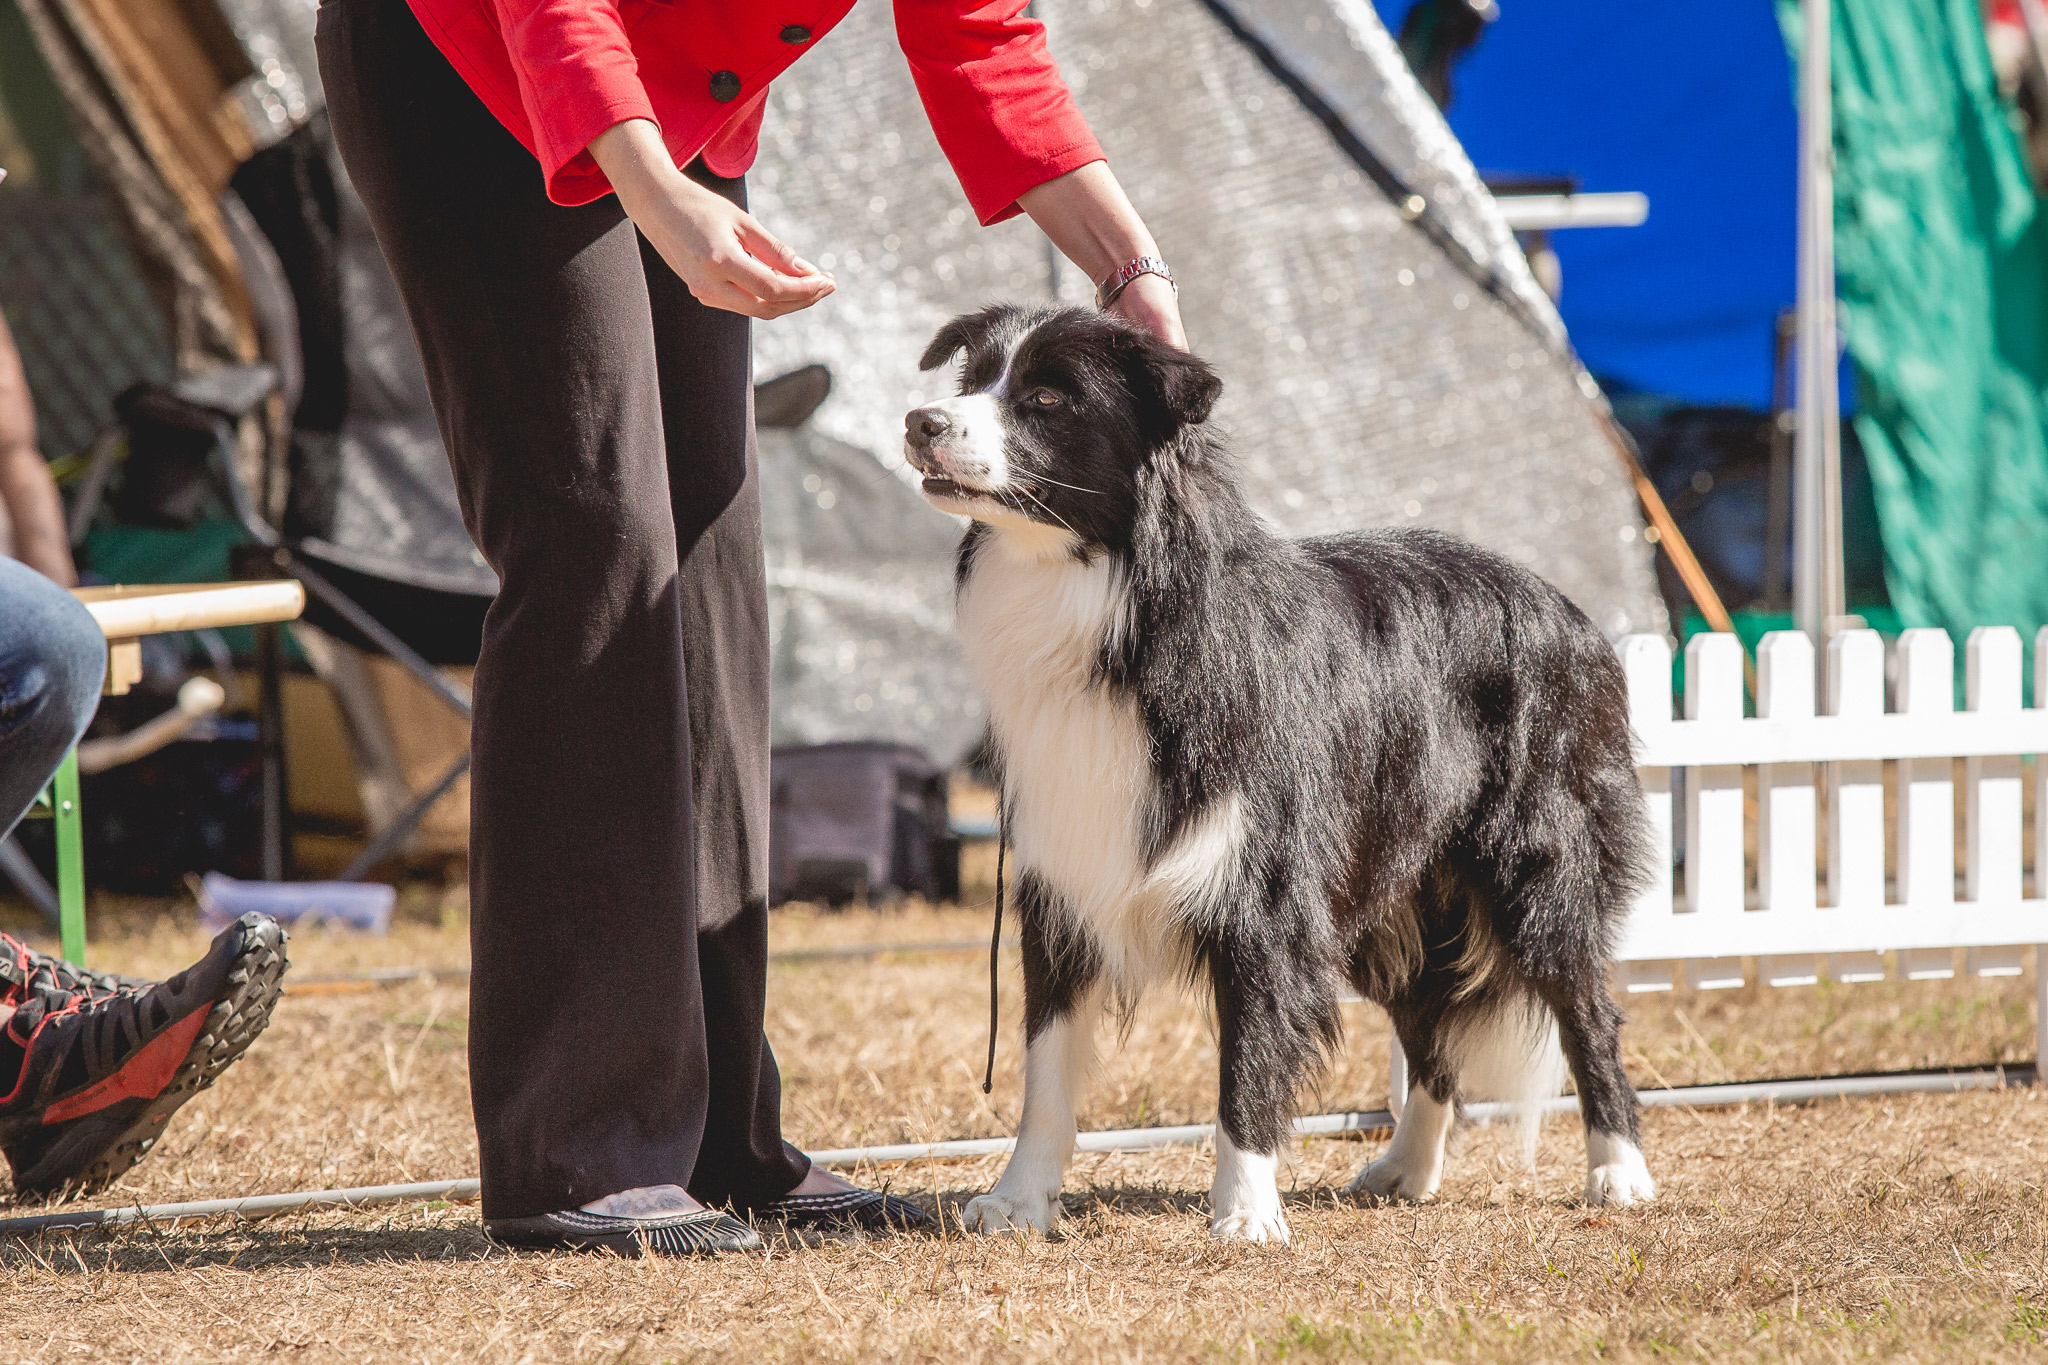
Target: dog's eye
1043, 398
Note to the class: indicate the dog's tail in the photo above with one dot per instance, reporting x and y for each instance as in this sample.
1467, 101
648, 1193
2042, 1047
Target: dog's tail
1508, 1053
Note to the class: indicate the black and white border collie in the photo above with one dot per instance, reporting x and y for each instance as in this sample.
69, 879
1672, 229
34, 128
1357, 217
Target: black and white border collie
1274, 766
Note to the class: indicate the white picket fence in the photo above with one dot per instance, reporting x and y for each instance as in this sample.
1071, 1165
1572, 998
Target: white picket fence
1705, 912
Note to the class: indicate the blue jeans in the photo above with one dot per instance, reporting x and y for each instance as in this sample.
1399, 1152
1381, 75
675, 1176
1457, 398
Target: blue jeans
53, 662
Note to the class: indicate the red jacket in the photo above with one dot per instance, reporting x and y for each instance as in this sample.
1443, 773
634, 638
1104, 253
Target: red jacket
559, 72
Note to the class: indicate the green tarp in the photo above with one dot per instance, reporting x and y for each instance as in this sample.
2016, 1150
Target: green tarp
1941, 254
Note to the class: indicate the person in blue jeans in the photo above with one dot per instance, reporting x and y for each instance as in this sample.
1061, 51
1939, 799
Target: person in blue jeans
91, 1065
52, 662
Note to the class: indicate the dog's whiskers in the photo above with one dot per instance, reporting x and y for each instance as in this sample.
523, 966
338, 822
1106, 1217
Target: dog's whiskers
1075, 486
1048, 511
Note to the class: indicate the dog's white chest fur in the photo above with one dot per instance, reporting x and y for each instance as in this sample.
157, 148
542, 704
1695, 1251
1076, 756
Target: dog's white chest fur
1077, 762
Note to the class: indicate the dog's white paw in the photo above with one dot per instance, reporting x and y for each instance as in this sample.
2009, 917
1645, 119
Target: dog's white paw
1244, 1203
998, 1212
1413, 1165
1391, 1178
1251, 1225
1620, 1185
1616, 1173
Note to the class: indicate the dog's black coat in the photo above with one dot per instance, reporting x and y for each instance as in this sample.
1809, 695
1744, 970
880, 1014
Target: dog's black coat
1430, 744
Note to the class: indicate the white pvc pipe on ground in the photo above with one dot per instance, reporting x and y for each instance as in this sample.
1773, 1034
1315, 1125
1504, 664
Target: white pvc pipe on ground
396, 976
254, 1206
1113, 1140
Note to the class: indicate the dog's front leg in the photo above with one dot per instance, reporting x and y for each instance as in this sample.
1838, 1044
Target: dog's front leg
1272, 1014
1056, 1063
1062, 997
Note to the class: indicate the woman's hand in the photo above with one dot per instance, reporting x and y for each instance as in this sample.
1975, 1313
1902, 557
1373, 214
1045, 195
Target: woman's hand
727, 259
1090, 220
1151, 303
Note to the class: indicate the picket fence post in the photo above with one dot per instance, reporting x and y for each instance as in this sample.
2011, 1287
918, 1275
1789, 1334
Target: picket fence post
2040, 860
1927, 795
1786, 809
1856, 795
1716, 882
1992, 818
1646, 666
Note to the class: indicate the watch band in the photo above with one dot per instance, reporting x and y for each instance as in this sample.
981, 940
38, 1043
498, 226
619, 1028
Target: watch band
1120, 279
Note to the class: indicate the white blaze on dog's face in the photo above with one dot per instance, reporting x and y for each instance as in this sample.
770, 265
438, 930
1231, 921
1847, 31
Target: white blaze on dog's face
1057, 412
962, 458
961, 444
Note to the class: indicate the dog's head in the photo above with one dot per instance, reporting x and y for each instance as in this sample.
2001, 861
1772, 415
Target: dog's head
1059, 413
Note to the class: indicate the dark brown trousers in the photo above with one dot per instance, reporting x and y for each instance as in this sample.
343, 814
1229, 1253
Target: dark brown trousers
600, 424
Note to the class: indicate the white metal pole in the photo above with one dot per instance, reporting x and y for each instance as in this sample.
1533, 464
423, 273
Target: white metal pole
1817, 591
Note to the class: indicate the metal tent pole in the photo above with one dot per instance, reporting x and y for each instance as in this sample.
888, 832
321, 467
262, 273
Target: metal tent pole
1817, 590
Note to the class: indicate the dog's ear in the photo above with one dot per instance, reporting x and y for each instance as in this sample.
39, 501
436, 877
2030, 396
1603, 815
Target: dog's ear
1191, 388
948, 342
1185, 386
963, 333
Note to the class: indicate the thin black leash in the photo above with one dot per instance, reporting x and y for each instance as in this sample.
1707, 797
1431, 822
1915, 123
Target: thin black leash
995, 946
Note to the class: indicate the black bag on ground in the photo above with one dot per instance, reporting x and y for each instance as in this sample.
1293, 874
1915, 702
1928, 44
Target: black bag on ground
859, 820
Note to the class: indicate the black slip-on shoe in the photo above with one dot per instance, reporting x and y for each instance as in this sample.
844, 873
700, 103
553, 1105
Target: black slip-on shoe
103, 1073
703, 1233
868, 1211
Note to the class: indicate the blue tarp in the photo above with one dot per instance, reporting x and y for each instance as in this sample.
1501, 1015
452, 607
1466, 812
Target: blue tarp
1688, 101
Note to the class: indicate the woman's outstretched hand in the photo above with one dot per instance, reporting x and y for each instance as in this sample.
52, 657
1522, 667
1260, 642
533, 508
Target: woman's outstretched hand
727, 259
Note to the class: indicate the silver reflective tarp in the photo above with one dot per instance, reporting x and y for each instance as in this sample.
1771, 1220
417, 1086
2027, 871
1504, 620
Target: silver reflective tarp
1368, 379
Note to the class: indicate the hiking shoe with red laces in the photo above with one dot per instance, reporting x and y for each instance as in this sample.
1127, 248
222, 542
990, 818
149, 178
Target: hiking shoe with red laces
24, 971
103, 1073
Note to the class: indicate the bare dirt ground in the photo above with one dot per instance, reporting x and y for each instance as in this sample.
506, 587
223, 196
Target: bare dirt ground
1908, 1228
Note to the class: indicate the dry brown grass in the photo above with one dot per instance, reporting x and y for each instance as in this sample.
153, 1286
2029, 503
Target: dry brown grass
1908, 1228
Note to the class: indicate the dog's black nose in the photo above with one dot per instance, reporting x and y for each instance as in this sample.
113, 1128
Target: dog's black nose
925, 425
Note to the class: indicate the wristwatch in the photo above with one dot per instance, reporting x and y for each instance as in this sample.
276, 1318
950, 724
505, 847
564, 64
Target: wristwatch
1120, 279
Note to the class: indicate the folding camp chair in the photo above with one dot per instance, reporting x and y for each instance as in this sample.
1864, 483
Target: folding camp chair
216, 404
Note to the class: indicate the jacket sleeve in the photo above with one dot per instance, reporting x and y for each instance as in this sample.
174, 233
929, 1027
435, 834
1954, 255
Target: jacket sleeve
577, 77
1003, 115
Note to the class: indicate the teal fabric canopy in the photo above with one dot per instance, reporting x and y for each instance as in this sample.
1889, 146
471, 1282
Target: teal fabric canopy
1942, 268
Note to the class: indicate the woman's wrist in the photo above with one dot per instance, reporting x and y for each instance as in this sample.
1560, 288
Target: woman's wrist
636, 162
1151, 303
1091, 221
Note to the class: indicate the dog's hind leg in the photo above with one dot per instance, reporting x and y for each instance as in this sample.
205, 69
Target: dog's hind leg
1062, 1000
1413, 1165
1589, 1030
1558, 904
1567, 861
